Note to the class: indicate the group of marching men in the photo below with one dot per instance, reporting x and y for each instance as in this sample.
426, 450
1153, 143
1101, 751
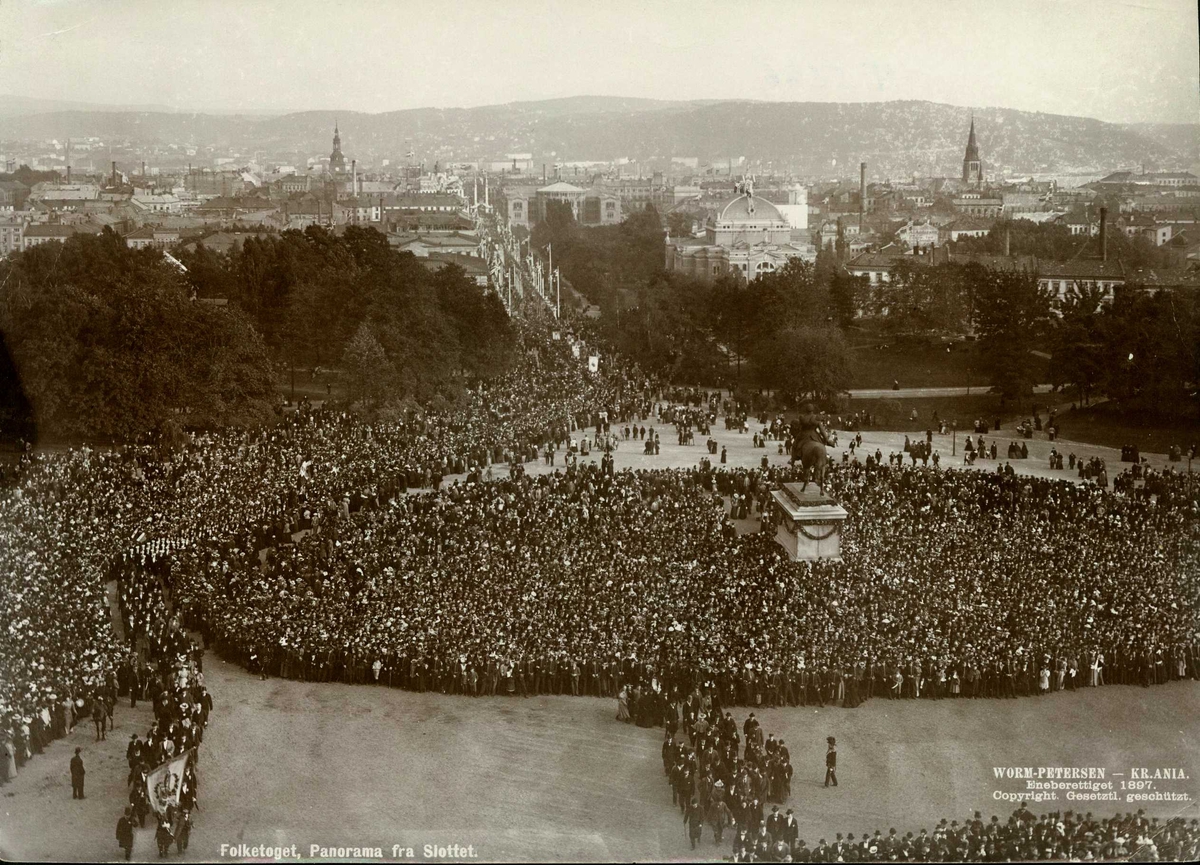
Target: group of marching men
162, 767
714, 781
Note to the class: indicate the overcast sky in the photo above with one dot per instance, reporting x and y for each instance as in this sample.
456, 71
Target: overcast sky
1119, 61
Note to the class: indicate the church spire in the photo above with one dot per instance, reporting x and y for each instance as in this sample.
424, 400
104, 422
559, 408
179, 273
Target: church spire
337, 162
972, 173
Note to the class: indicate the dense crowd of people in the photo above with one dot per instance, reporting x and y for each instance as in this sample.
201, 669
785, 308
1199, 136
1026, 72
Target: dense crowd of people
582, 581
300, 551
74, 521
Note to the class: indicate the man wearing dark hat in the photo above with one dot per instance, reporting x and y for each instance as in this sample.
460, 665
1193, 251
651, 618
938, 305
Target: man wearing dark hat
831, 762
77, 773
790, 830
694, 817
774, 823
125, 832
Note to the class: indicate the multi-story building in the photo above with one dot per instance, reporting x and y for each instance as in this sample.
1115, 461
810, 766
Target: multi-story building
979, 204
11, 233
13, 195
150, 237
36, 235
967, 226
149, 202
747, 236
919, 235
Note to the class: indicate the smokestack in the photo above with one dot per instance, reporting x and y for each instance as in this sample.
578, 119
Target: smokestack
862, 193
1007, 241
114, 175
543, 172
1104, 234
354, 182
143, 168
68, 173
381, 224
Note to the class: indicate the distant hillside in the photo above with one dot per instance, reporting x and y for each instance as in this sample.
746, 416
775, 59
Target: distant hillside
897, 139
14, 106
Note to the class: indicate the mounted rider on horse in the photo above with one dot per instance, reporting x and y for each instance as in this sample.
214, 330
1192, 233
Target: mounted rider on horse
809, 439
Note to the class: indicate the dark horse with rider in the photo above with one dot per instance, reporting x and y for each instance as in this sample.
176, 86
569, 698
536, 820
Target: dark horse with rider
809, 439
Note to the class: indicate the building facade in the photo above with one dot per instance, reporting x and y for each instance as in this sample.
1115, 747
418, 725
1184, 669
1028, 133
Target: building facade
747, 235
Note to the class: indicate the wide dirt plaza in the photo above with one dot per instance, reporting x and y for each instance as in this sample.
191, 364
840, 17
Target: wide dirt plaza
557, 778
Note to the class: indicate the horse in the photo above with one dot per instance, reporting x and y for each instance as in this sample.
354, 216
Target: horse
813, 458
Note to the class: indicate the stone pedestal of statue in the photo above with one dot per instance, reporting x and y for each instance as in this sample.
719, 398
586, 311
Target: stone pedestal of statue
808, 525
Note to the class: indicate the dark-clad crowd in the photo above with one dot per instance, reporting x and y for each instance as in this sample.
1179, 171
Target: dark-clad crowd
954, 585
72, 522
329, 548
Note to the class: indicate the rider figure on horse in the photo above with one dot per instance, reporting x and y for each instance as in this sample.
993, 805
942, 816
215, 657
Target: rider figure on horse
808, 445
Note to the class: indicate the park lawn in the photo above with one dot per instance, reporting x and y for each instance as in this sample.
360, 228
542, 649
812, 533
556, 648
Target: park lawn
896, 414
1105, 425
879, 360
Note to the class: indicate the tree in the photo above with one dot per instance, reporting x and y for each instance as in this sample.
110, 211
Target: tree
847, 294
921, 299
368, 370
1151, 350
108, 343
804, 361
680, 223
1077, 342
1012, 314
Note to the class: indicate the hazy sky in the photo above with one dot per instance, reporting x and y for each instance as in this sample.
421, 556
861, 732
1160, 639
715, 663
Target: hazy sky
1120, 61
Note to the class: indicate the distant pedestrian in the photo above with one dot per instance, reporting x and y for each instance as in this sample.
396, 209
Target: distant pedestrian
99, 717
831, 762
77, 773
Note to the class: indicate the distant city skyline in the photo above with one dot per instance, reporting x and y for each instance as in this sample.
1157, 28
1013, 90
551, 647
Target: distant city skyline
1110, 60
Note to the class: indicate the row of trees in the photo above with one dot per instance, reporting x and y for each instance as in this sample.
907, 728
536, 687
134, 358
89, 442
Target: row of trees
110, 342
786, 330
1141, 349
1054, 242
106, 343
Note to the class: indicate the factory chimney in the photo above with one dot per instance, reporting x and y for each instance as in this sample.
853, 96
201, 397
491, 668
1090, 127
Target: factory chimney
143, 168
114, 175
862, 193
1104, 234
1007, 241
354, 181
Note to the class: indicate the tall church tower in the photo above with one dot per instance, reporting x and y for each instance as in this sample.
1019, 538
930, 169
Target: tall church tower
337, 162
972, 168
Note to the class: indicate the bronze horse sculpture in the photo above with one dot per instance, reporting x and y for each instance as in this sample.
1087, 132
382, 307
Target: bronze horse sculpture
809, 439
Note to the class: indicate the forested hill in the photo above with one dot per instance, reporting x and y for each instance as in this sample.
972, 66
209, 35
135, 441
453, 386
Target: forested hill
897, 139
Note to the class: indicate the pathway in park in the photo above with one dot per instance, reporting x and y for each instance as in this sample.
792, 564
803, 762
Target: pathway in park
916, 392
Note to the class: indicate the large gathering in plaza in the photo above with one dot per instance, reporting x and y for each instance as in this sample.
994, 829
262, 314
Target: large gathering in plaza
330, 549
753, 461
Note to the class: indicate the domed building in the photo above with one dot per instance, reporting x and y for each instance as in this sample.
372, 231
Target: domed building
746, 235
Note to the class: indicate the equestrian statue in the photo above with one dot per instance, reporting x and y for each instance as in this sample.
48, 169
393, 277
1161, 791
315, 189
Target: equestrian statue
809, 439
